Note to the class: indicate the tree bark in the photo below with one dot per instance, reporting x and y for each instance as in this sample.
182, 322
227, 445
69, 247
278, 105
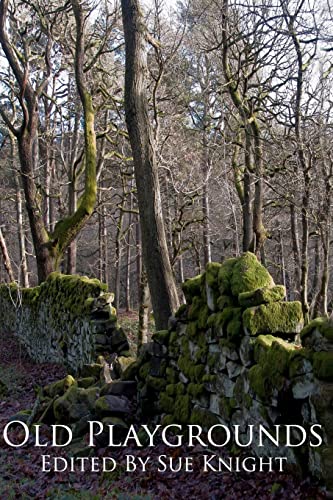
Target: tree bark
155, 253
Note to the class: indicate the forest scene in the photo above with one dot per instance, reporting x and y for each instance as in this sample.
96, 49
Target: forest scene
165, 248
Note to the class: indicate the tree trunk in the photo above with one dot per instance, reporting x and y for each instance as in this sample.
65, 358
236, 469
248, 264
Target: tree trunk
143, 311
6, 258
155, 253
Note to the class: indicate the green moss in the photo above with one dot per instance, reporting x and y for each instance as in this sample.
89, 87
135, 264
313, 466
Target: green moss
182, 409
225, 301
274, 360
182, 309
156, 383
166, 403
225, 408
262, 296
161, 337
60, 387
204, 418
131, 371
192, 329
192, 287
192, 371
248, 275
195, 307
171, 375
175, 389
167, 420
212, 272
203, 317
258, 381
144, 370
225, 276
279, 317
323, 325
195, 390
323, 365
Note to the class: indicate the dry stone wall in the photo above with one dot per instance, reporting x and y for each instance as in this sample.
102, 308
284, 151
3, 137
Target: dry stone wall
236, 354
67, 320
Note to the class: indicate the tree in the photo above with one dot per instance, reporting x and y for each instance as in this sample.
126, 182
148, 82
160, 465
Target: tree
155, 253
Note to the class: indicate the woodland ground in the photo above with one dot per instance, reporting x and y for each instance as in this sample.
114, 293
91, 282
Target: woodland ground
21, 475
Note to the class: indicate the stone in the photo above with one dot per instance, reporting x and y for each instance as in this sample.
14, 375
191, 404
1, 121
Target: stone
182, 378
86, 382
101, 339
229, 353
246, 351
234, 369
118, 341
303, 386
157, 350
214, 404
59, 387
75, 404
260, 296
112, 405
121, 364
283, 318
224, 385
120, 388
91, 370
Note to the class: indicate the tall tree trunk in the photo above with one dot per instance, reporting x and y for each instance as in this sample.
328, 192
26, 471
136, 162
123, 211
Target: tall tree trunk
143, 311
24, 278
6, 258
119, 257
155, 252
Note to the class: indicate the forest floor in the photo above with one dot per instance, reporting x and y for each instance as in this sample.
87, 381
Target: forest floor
21, 474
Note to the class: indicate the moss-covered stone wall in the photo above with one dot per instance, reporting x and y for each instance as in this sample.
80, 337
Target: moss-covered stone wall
67, 320
236, 353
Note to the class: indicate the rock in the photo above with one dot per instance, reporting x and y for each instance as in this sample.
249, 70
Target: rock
75, 404
60, 387
120, 430
214, 405
101, 339
248, 274
121, 364
224, 385
112, 405
182, 378
303, 386
234, 369
120, 388
91, 370
161, 337
260, 296
229, 353
283, 318
158, 350
86, 382
246, 351
118, 340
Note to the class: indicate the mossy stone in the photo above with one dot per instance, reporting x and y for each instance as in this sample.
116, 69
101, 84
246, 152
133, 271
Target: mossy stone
323, 365
248, 274
192, 287
323, 325
284, 318
60, 387
262, 296
161, 337
156, 383
225, 276
182, 409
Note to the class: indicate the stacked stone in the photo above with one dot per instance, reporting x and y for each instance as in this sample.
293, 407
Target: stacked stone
210, 343
317, 339
67, 320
